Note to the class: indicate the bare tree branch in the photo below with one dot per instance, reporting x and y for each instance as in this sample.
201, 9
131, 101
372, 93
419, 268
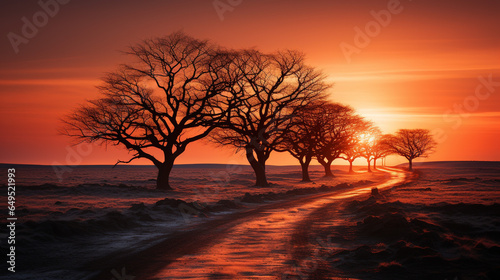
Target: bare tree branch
411, 144
175, 93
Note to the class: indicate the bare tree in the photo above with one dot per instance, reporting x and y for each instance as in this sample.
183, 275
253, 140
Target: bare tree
337, 123
368, 144
411, 144
301, 138
381, 149
353, 150
173, 94
351, 154
270, 88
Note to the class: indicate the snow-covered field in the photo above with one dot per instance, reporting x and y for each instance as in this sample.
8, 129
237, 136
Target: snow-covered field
444, 225
97, 210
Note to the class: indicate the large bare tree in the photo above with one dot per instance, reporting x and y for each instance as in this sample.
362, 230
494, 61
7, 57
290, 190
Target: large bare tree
411, 144
270, 88
172, 94
337, 128
302, 136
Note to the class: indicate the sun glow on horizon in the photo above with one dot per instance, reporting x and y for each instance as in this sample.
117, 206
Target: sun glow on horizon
414, 74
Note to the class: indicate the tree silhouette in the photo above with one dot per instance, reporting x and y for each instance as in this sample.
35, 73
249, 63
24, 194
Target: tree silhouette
381, 149
173, 94
411, 144
301, 138
368, 144
337, 128
270, 88
353, 149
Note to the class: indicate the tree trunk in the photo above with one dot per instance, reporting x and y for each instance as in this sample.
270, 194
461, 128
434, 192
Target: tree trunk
305, 170
260, 174
327, 166
374, 164
162, 181
369, 169
350, 167
259, 168
410, 164
328, 169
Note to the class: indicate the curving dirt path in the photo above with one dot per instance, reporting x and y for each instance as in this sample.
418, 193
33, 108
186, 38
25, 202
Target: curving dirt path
262, 243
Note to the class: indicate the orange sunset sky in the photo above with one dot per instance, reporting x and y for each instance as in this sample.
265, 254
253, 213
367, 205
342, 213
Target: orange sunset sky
432, 64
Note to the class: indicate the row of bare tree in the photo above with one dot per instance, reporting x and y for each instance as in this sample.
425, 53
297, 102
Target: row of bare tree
177, 90
327, 131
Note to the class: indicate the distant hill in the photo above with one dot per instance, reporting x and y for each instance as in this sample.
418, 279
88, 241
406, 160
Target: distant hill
455, 164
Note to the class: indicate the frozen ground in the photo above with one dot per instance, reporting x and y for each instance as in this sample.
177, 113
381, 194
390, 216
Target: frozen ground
442, 225
445, 225
96, 211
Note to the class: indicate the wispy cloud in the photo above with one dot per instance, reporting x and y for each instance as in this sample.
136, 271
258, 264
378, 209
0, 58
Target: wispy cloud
417, 112
49, 82
412, 74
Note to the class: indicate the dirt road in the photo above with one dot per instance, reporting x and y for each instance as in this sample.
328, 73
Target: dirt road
262, 243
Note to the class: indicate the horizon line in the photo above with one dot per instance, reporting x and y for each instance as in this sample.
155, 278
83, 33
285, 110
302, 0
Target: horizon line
187, 164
